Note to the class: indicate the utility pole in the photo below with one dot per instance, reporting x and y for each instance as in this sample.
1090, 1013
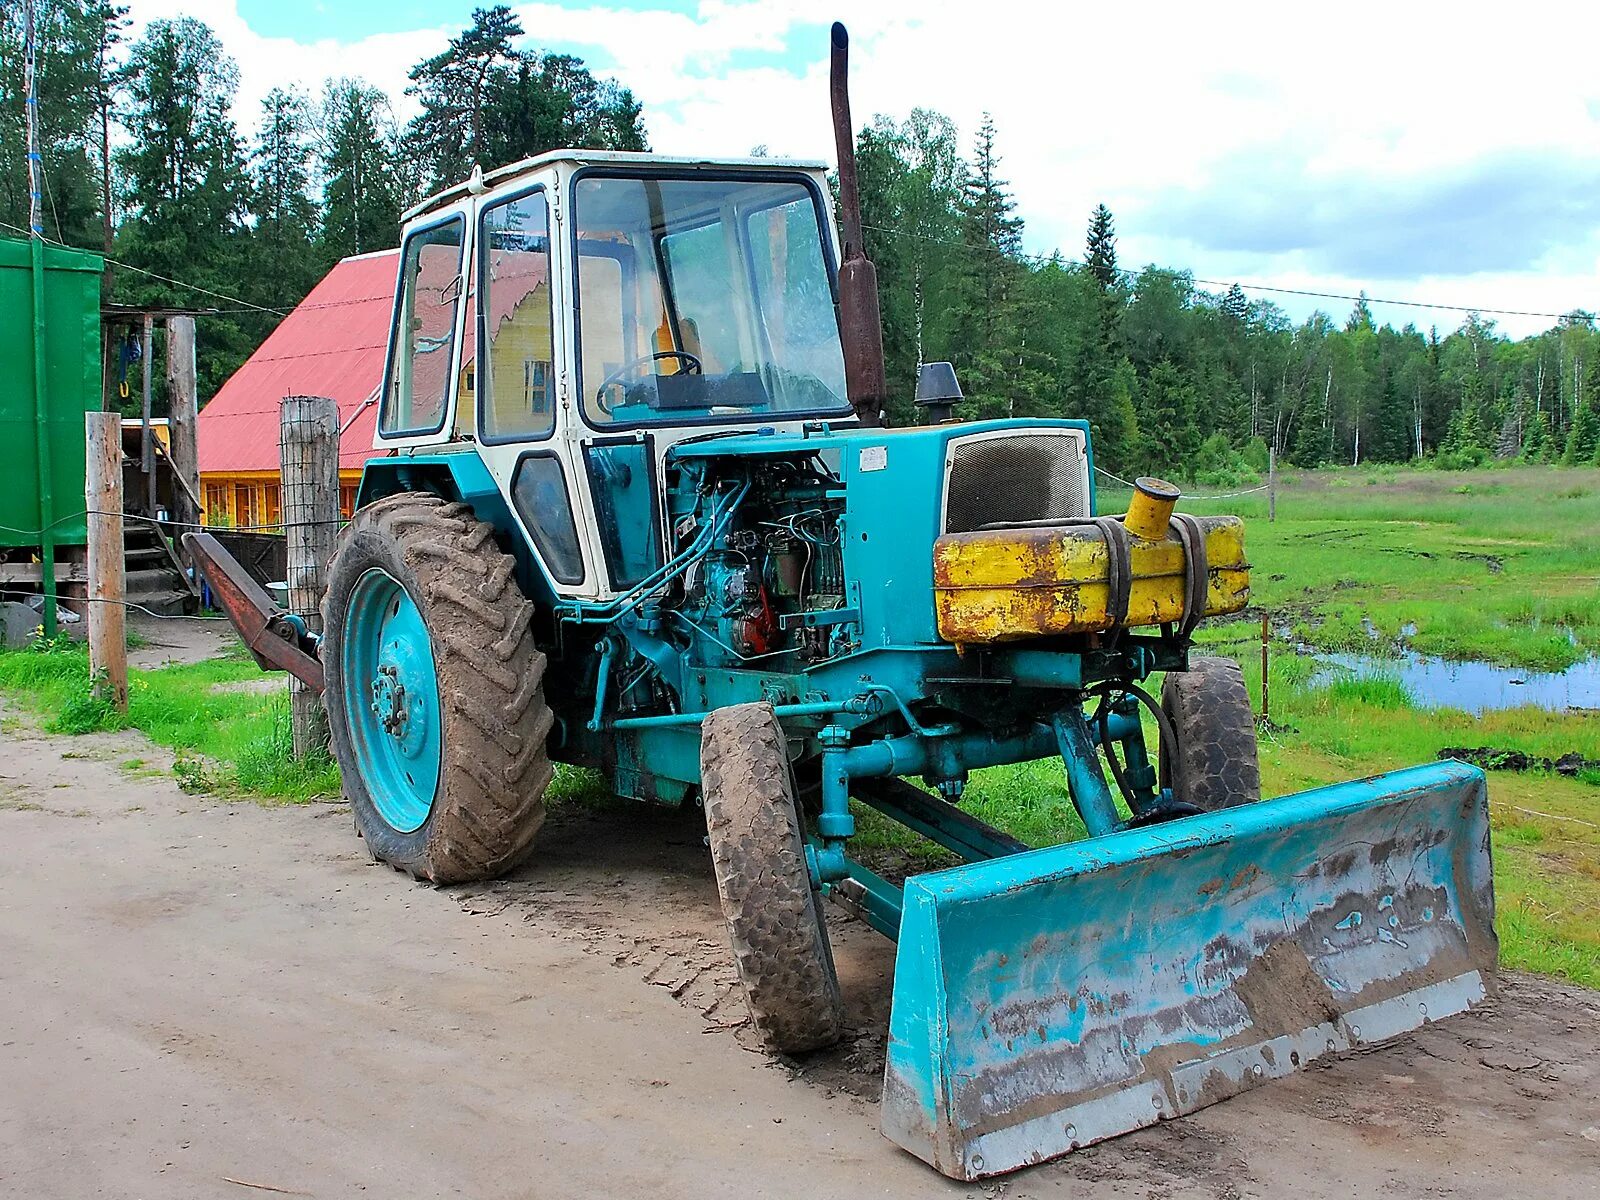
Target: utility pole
47, 536
30, 91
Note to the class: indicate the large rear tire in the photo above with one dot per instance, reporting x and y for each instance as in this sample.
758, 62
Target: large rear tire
774, 914
1214, 764
436, 712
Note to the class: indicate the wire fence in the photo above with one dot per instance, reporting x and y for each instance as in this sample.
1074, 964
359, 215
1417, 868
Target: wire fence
145, 518
132, 604
1218, 496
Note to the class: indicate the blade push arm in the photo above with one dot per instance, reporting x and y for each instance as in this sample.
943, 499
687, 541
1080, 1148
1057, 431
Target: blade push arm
276, 638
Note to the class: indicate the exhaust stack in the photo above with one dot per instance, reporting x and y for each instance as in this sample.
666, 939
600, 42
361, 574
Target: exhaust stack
861, 325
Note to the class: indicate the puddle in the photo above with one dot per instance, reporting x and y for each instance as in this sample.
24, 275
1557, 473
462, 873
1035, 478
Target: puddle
1473, 687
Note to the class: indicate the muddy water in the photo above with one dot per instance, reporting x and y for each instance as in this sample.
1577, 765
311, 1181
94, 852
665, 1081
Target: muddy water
1474, 687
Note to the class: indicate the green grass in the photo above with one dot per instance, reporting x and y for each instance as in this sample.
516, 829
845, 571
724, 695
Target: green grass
228, 742
1500, 565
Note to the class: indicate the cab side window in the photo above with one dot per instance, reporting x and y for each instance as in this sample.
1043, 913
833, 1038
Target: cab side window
516, 382
423, 341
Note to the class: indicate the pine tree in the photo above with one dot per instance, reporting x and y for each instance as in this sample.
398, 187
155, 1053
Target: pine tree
1583, 439
1360, 316
991, 239
284, 267
452, 87
361, 191
1168, 422
1101, 251
1093, 393
1235, 305
184, 184
1536, 438
486, 102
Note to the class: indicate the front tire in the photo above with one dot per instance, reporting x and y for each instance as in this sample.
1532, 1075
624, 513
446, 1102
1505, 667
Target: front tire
774, 914
1215, 763
436, 712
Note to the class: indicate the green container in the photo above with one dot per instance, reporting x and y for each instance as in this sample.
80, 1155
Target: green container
70, 330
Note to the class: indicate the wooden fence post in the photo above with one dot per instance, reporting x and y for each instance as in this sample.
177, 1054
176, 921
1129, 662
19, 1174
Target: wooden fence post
1266, 687
108, 641
309, 448
181, 433
1272, 481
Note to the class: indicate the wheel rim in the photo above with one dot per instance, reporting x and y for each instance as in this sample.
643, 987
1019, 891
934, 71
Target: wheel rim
391, 700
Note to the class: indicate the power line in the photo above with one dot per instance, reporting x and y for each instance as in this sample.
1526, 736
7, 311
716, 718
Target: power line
1464, 308
1131, 276
193, 287
1039, 259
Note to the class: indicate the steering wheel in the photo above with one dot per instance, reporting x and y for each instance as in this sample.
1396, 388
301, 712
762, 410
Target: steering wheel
691, 366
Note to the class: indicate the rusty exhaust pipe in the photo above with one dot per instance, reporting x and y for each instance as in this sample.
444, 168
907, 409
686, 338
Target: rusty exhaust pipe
861, 324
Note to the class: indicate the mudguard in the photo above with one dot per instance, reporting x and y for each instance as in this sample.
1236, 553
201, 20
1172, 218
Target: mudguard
1048, 1000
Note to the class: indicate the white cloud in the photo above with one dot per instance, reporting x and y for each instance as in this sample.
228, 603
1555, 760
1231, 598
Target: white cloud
1136, 106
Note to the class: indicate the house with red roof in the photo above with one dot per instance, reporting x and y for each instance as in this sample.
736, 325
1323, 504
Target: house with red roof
332, 345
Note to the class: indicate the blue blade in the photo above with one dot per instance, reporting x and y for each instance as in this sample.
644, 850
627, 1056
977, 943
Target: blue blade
1056, 998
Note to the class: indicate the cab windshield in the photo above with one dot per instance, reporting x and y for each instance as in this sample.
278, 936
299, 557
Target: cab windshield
703, 299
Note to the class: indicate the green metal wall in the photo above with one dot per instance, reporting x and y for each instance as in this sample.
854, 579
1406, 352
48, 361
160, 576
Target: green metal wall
71, 334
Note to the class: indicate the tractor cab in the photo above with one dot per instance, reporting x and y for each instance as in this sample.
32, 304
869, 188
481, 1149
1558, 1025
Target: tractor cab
577, 314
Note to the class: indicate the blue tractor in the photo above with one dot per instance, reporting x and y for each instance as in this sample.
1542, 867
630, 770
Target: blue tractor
632, 506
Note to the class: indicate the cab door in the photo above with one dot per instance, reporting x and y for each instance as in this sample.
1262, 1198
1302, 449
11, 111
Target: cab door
422, 372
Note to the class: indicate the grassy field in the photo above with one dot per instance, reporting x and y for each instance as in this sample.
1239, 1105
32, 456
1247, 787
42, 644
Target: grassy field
1497, 565
227, 740
1501, 566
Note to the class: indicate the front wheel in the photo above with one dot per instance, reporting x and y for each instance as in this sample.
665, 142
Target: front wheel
436, 712
1214, 764
774, 914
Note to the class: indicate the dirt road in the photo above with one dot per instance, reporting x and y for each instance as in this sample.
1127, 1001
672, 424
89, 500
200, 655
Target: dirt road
198, 996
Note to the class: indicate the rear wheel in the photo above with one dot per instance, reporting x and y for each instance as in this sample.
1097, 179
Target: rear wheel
436, 712
774, 914
1214, 764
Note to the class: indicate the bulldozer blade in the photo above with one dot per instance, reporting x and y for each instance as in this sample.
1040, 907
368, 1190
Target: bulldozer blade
1052, 999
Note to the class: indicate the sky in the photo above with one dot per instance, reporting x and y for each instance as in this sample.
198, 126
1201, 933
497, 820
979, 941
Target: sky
1438, 152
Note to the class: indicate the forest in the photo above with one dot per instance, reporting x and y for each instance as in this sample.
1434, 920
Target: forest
145, 159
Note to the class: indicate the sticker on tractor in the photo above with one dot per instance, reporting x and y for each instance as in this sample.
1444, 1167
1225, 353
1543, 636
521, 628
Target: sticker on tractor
874, 458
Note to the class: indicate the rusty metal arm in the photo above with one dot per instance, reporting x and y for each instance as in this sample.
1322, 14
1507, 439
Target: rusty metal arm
275, 637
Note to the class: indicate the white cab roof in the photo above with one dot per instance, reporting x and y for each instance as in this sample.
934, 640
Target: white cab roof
606, 158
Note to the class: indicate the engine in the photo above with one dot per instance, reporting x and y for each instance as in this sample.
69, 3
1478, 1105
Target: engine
763, 591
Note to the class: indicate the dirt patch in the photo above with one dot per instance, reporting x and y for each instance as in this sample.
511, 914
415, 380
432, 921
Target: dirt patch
1493, 563
201, 991
1282, 993
168, 640
267, 685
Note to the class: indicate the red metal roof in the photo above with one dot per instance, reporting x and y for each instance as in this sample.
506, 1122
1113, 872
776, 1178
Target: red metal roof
331, 345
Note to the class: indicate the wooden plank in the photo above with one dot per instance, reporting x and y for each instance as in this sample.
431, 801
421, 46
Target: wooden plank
66, 572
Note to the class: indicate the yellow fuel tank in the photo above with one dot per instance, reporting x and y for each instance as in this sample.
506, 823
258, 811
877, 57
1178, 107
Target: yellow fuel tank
1004, 585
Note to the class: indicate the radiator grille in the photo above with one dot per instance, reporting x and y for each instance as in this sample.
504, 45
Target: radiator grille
1015, 480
